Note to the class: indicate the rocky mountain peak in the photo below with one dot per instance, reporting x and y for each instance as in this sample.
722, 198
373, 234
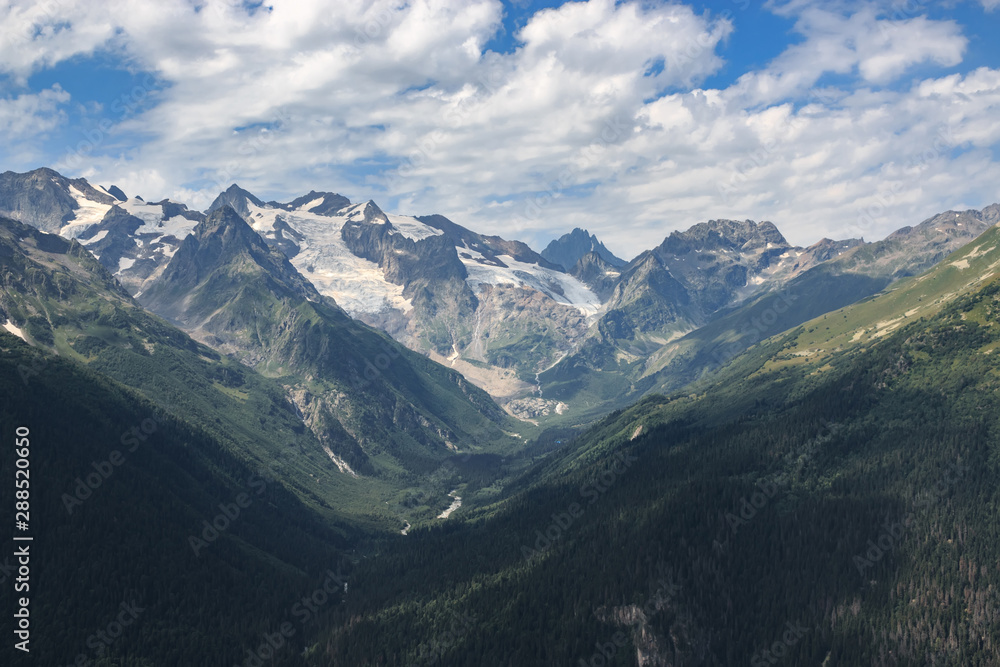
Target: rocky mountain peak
117, 193
44, 198
826, 249
370, 213
596, 273
236, 197
568, 249
737, 235
223, 251
222, 220
226, 224
318, 203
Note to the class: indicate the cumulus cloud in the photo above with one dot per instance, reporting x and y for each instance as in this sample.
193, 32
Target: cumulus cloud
28, 115
331, 86
861, 165
598, 116
877, 50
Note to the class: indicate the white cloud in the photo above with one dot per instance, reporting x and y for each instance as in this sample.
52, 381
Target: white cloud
878, 50
594, 119
29, 115
39, 34
347, 82
866, 166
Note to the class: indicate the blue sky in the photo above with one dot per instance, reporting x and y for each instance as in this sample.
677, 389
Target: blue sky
838, 118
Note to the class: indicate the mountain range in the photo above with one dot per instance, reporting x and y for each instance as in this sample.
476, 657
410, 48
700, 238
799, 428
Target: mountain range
316, 433
557, 336
825, 497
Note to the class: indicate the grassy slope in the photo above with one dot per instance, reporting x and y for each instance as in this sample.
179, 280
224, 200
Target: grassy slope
861, 324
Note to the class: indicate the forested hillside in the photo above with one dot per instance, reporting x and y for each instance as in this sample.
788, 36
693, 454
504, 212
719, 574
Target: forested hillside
855, 501
141, 518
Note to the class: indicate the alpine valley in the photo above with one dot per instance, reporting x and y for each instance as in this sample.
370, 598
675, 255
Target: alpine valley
316, 433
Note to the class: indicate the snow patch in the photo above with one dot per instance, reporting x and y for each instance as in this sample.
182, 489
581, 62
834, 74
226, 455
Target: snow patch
124, 263
547, 281
95, 238
153, 222
88, 214
356, 284
9, 326
311, 205
412, 228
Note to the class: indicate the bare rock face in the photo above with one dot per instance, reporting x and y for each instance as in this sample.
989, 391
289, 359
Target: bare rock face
135, 240
570, 248
912, 250
692, 275
706, 294
45, 199
574, 321
320, 203
237, 199
598, 274
521, 328
361, 393
662, 632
